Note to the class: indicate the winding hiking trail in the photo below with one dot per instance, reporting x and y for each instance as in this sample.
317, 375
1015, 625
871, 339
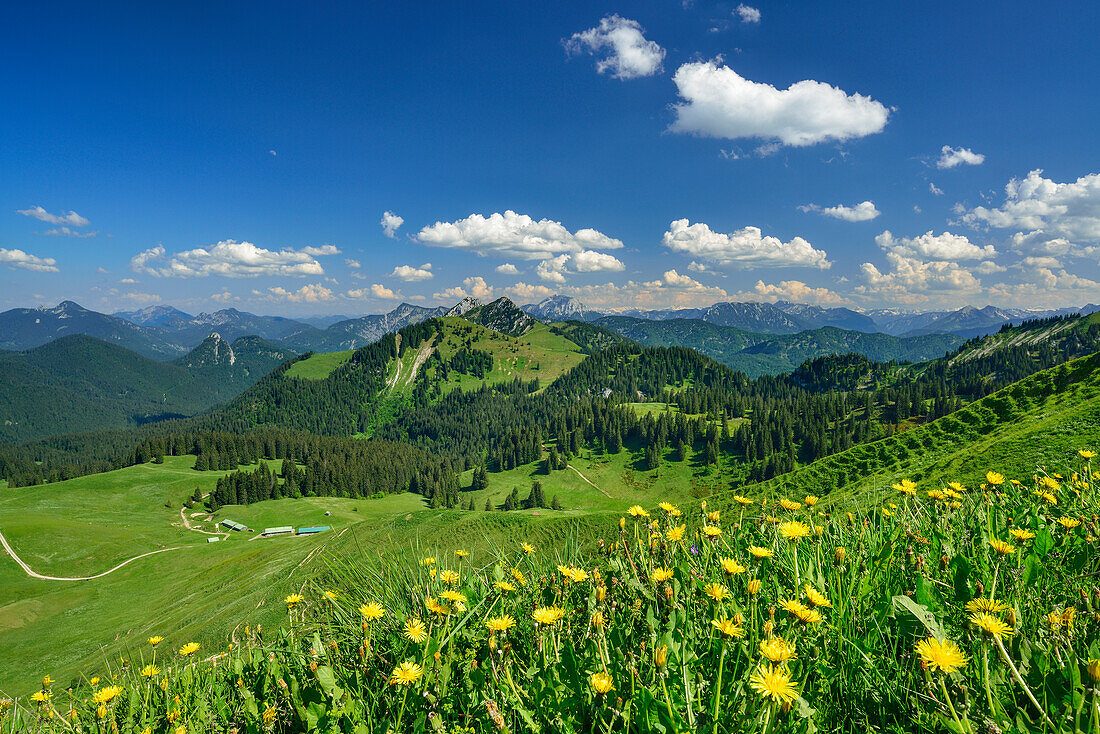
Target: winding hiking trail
605, 494
35, 575
187, 524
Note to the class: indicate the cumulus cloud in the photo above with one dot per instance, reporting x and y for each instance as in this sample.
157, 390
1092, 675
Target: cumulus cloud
26, 261
68, 232
910, 280
1047, 286
935, 190
746, 248
230, 259
797, 292
862, 212
526, 293
1051, 218
951, 157
409, 274
931, 246
140, 297
747, 14
513, 235
391, 223
590, 261
72, 218
507, 269
353, 264
224, 297
380, 291
671, 290
553, 270
475, 287
720, 103
621, 43
313, 293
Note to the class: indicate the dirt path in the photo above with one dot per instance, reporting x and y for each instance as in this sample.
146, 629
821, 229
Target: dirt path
187, 524
605, 494
35, 575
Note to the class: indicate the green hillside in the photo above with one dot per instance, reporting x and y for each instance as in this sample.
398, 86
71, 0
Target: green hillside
1041, 421
770, 354
79, 383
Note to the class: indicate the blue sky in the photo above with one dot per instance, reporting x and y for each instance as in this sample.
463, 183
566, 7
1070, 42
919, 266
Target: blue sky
918, 155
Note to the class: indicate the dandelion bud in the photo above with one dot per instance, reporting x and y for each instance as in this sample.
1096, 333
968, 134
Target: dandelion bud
769, 627
622, 523
771, 612
101, 712
1011, 615
313, 667
661, 657
739, 619
819, 530
668, 591
601, 593
1094, 670
753, 586
840, 554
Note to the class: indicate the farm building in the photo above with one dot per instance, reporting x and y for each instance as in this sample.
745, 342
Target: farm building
311, 531
212, 540
281, 530
233, 525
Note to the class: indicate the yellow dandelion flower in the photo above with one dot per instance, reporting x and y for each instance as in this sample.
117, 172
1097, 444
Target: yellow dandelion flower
728, 627
994, 478
742, 500
753, 587
778, 650
816, 597
989, 606
454, 596
993, 626
1054, 619
601, 682
906, 486
731, 566
946, 656
660, 656
811, 500
1069, 523
758, 552
189, 649
415, 630
548, 615
1086, 454
1021, 534
427, 561
528, 548
793, 530
676, 534
1094, 670
718, 592
106, 694
667, 507
637, 511
504, 586
810, 616
449, 577
41, 696
372, 611
1005, 549
149, 671
661, 575
599, 621
774, 682
793, 606
462, 553
714, 516
435, 607
787, 504
155, 640
712, 531
406, 674
517, 575
293, 599
501, 624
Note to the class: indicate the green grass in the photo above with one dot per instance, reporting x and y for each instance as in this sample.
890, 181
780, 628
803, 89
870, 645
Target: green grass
318, 366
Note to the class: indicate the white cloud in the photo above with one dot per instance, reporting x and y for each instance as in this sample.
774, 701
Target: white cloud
989, 267
936, 190
862, 212
747, 14
507, 269
68, 232
224, 297
698, 267
912, 281
380, 291
951, 157
391, 223
1047, 288
272, 153
797, 292
72, 218
128, 281
474, 286
26, 261
1052, 218
746, 248
590, 261
931, 246
353, 264
140, 297
102, 270
525, 293
230, 259
719, 103
314, 293
669, 291
514, 235
553, 269
409, 274
629, 54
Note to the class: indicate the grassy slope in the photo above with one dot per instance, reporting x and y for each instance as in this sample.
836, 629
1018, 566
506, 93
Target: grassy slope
318, 366
1038, 422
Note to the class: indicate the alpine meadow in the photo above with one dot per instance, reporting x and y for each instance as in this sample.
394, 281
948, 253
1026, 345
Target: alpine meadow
681, 367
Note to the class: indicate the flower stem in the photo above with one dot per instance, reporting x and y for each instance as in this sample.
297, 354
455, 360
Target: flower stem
672, 718
951, 706
718, 687
401, 713
1020, 680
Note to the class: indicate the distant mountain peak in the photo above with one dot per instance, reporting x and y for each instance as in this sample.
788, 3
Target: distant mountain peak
501, 315
561, 308
467, 304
